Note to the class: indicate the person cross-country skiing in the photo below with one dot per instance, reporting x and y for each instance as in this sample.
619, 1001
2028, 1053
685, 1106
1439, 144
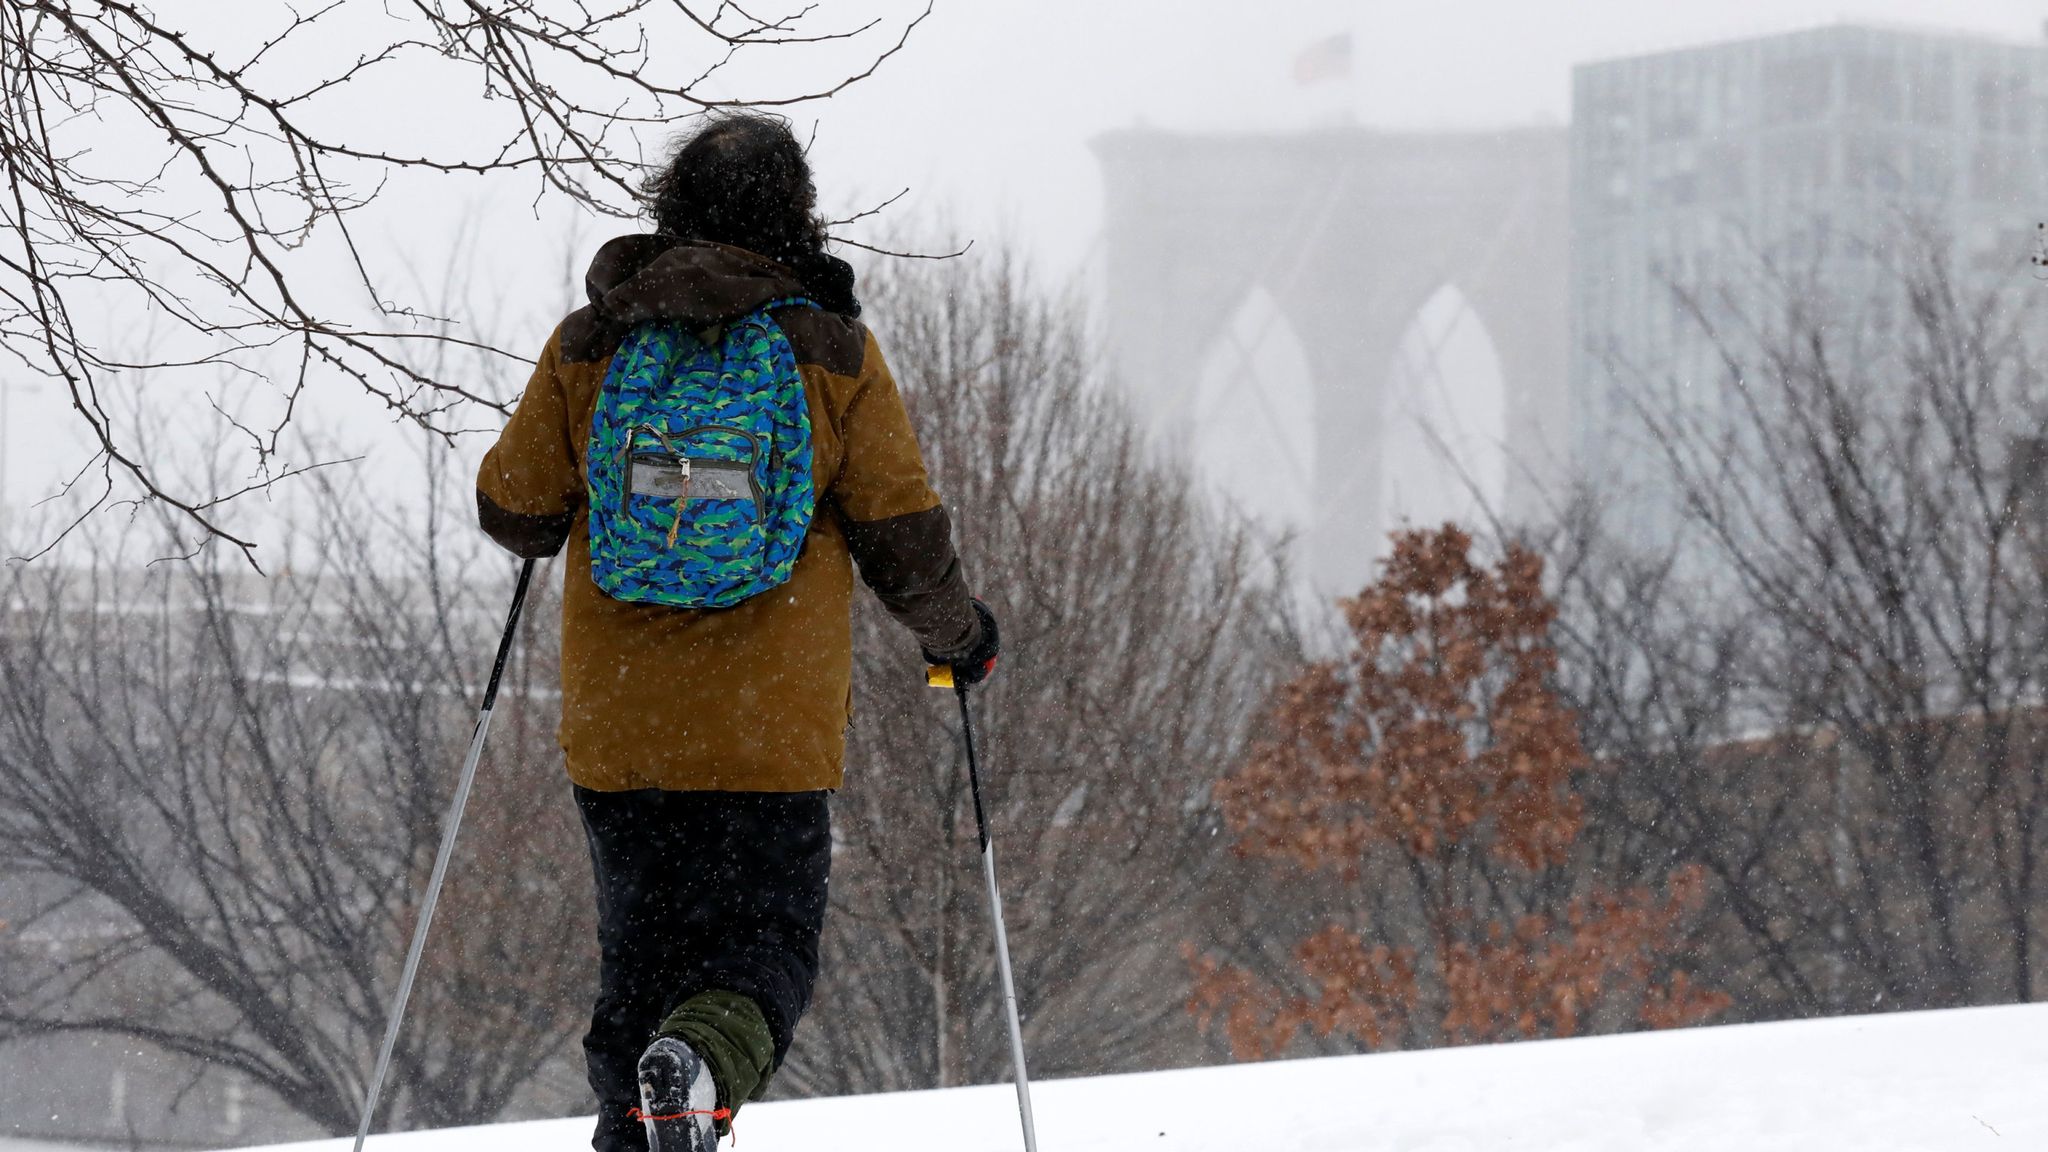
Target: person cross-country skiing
717, 440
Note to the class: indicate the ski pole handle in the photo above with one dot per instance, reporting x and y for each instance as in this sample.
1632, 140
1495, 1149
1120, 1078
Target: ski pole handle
973, 666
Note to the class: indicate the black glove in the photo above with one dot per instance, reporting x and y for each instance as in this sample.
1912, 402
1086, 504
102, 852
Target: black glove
975, 667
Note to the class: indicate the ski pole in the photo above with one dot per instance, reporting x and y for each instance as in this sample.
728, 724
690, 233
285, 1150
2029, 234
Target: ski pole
942, 677
440, 872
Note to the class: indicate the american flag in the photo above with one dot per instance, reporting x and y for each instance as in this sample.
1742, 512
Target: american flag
1326, 59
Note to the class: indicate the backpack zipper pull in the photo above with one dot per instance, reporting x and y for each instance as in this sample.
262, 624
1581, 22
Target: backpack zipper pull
677, 523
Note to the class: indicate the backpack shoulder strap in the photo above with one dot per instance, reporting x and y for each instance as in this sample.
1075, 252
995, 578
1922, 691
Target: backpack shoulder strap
786, 302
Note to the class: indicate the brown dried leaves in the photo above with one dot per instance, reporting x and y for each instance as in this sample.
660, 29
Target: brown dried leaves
1438, 744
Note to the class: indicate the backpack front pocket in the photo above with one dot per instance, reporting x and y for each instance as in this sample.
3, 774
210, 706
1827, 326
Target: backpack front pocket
662, 476
695, 500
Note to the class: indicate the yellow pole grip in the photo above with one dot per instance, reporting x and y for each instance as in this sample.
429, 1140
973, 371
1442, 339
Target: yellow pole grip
938, 676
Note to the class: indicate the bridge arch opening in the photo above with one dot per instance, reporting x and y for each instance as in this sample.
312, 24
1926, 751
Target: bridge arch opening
1251, 421
1444, 412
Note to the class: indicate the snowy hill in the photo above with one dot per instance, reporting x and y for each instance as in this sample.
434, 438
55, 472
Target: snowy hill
1975, 1078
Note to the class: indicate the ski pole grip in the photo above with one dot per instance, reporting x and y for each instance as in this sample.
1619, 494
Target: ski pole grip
938, 676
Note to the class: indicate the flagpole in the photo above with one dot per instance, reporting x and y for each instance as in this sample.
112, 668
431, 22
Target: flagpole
1352, 115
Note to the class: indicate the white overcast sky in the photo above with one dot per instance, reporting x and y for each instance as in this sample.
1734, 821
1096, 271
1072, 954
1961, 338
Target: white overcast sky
987, 114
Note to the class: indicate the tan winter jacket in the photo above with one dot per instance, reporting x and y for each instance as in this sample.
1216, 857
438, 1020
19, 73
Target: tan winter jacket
755, 697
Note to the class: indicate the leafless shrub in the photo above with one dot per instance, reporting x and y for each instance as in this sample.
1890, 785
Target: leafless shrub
1140, 634
1827, 690
240, 783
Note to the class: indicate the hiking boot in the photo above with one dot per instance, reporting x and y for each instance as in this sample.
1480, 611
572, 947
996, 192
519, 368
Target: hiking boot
678, 1098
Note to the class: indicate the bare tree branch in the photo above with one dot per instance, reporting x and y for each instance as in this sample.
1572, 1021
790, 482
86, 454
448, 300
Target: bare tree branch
151, 172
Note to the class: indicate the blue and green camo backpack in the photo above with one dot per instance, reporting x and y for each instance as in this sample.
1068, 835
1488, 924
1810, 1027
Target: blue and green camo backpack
700, 464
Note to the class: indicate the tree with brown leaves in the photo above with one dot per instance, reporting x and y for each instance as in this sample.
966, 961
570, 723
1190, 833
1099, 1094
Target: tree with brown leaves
1430, 774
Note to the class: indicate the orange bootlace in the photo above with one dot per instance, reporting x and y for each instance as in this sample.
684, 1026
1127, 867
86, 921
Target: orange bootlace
724, 1114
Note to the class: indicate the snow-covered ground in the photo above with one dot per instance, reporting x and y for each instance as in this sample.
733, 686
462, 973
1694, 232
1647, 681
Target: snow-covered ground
1976, 1078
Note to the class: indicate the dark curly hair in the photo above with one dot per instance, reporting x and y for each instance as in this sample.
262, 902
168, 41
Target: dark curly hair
740, 178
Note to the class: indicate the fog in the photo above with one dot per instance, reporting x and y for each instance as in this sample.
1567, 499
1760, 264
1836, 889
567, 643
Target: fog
1508, 520
985, 119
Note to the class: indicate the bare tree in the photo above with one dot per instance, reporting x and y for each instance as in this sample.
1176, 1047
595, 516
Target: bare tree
209, 183
1828, 691
1140, 634
1655, 666
242, 784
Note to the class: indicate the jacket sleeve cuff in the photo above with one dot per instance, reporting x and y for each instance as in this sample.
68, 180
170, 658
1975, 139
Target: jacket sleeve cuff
534, 537
962, 645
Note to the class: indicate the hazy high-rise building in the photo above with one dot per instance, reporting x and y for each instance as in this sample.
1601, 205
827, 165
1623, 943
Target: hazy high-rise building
1822, 154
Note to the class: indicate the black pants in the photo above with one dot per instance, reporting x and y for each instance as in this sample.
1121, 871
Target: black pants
697, 891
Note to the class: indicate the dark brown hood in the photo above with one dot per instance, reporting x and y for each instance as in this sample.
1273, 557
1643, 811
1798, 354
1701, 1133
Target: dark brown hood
634, 279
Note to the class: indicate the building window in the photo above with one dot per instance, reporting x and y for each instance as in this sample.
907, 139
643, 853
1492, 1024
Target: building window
1724, 172
1797, 165
232, 1104
1873, 163
1675, 175
1675, 108
1798, 89
1610, 125
1617, 191
1930, 90
1996, 174
2002, 102
1933, 169
1872, 88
